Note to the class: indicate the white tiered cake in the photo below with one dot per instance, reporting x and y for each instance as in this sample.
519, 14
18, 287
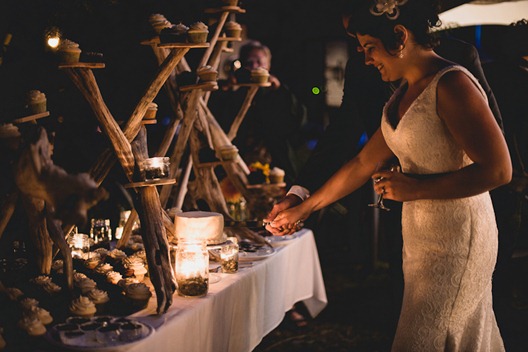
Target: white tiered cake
200, 225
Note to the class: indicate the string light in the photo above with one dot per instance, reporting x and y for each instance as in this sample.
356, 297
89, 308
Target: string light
53, 37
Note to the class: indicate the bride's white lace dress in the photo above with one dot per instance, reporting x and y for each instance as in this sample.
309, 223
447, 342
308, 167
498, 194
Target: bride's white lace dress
450, 246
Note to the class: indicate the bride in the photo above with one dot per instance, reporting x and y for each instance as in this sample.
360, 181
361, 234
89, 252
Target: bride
452, 152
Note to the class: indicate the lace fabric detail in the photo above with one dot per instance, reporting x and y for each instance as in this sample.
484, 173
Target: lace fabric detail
450, 246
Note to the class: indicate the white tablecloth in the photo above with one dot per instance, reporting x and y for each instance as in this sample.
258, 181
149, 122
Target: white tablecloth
242, 308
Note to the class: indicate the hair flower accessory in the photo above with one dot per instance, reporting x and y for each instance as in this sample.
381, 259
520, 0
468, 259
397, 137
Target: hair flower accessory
387, 7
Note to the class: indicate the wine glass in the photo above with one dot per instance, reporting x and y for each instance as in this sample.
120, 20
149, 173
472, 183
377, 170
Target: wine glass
382, 166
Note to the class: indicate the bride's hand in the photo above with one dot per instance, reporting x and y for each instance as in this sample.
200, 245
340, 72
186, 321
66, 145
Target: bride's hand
288, 221
395, 185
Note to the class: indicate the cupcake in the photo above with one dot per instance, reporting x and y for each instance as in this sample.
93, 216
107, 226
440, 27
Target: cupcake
152, 109
99, 298
228, 152
28, 303
276, 175
139, 271
69, 52
233, 29
158, 22
116, 255
138, 294
83, 307
259, 75
43, 315
92, 262
207, 73
36, 101
197, 32
32, 325
174, 34
104, 268
113, 277
85, 285
58, 266
51, 288
127, 281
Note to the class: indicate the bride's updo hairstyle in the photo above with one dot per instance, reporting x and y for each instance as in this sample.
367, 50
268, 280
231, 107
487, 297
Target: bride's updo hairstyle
377, 18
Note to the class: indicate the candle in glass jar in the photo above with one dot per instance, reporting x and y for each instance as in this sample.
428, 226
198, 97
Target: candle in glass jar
229, 258
155, 168
192, 269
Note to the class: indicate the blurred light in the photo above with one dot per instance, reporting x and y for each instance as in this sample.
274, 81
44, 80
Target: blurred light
165, 121
316, 90
53, 37
236, 65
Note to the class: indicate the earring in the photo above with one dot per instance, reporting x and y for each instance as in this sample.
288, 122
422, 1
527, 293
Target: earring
400, 53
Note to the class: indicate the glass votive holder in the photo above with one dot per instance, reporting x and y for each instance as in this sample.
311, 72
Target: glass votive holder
100, 230
192, 269
229, 258
155, 168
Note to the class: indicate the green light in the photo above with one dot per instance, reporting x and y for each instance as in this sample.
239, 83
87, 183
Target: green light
316, 90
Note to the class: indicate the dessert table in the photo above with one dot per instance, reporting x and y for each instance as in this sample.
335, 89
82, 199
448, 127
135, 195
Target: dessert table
241, 308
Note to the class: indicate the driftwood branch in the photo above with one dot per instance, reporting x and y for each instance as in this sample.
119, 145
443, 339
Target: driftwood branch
153, 233
85, 81
58, 238
38, 233
7, 208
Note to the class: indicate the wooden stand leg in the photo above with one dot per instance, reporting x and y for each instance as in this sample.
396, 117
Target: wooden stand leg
38, 233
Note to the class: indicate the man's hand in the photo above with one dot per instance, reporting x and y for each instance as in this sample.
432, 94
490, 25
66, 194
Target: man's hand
287, 202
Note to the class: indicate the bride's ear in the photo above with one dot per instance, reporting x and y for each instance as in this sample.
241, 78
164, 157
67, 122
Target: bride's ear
401, 33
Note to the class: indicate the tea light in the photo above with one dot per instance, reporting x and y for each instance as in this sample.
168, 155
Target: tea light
192, 269
79, 243
229, 258
155, 168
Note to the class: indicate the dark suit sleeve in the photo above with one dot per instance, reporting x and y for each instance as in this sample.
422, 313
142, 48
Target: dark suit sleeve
466, 54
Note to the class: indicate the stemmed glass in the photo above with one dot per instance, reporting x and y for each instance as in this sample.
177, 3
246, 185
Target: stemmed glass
381, 166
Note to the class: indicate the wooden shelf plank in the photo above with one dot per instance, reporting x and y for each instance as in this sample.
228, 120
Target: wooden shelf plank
149, 121
229, 39
33, 117
183, 45
265, 84
235, 9
153, 183
207, 86
83, 65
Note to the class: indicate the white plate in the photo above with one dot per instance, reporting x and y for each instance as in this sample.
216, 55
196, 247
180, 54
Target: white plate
53, 337
280, 240
260, 253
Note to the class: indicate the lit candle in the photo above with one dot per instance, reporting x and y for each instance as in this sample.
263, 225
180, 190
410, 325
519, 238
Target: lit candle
229, 258
192, 269
155, 168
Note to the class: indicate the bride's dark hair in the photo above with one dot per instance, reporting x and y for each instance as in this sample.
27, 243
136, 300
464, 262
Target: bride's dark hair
418, 16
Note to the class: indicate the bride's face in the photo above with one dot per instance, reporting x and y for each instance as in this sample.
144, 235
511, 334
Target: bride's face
376, 55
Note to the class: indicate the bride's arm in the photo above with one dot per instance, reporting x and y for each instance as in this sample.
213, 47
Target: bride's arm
347, 179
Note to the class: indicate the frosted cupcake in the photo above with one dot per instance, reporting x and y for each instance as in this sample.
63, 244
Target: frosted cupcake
36, 102
43, 315
152, 109
233, 29
69, 52
104, 268
83, 307
99, 298
32, 325
85, 285
158, 22
137, 295
228, 152
174, 34
92, 262
207, 73
58, 266
259, 75
276, 175
113, 277
198, 32
51, 288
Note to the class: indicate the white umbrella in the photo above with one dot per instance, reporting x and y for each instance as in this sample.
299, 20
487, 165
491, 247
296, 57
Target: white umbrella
485, 13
